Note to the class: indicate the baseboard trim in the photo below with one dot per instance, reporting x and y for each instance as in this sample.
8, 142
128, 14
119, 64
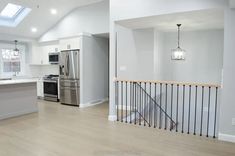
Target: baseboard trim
226, 137
16, 114
93, 103
112, 117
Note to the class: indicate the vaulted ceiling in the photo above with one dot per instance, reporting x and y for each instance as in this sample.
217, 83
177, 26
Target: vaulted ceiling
40, 16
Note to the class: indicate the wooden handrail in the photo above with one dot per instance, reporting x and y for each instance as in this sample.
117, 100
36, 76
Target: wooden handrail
171, 82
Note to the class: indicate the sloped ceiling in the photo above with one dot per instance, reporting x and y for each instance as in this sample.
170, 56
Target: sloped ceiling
40, 16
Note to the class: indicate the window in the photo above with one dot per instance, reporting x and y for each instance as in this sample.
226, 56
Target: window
11, 10
11, 15
11, 61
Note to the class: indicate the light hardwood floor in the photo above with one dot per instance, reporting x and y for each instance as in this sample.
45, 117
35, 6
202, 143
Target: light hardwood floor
59, 130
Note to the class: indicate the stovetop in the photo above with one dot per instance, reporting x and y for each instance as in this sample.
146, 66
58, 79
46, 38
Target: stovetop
51, 77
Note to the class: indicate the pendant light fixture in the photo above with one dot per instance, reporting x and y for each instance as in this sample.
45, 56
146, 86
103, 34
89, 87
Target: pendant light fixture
16, 50
178, 53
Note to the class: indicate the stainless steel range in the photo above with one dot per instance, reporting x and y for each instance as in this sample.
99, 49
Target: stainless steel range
50, 86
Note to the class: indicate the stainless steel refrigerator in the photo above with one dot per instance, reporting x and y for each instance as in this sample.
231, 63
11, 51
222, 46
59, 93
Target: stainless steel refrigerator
69, 62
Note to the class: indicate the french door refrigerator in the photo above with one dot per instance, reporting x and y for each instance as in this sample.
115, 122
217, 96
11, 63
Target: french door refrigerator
70, 77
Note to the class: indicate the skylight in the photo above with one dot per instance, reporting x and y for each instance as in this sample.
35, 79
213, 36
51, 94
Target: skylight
13, 14
11, 10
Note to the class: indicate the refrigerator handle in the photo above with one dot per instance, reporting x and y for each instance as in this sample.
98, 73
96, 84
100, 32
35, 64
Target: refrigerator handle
68, 66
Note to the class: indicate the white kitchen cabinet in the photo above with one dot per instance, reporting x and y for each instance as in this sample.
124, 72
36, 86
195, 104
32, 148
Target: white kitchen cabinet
46, 50
39, 54
40, 90
36, 55
70, 43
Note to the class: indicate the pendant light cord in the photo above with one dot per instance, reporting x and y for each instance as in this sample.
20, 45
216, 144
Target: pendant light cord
178, 35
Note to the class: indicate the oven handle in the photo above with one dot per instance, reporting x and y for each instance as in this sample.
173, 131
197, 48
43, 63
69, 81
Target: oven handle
50, 95
68, 88
48, 81
74, 81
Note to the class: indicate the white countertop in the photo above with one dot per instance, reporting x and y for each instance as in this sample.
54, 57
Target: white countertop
17, 81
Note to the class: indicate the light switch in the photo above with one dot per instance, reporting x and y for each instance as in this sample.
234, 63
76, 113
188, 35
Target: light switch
122, 68
233, 121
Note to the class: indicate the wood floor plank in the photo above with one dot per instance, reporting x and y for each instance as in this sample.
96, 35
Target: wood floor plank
59, 130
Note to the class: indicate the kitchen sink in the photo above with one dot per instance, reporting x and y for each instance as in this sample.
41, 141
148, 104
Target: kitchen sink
3, 79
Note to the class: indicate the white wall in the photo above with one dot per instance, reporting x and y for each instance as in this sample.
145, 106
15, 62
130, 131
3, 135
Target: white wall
145, 54
135, 53
228, 99
40, 71
94, 70
92, 19
204, 56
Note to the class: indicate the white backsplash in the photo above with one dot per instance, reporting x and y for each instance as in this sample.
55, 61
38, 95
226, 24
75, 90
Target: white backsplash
40, 71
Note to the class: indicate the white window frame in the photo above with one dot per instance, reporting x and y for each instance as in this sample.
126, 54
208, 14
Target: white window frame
22, 49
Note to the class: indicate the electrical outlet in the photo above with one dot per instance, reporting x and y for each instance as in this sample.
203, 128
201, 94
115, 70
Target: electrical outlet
233, 121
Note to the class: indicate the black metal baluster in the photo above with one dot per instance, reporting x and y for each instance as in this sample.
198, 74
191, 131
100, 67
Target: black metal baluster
131, 100
166, 107
157, 108
208, 115
145, 101
182, 129
140, 113
138, 102
150, 103
202, 111
189, 108
172, 90
216, 100
155, 86
177, 107
126, 100
122, 101
117, 91
160, 114
135, 103
195, 114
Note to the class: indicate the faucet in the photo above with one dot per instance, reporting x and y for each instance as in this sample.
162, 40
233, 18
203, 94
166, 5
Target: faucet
15, 74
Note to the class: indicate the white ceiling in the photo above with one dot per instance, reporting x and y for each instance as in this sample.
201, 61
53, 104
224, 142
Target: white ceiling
41, 18
194, 20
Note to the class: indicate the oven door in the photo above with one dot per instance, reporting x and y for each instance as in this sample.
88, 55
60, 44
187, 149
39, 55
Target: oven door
50, 88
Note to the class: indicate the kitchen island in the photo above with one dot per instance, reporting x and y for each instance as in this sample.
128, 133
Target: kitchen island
18, 97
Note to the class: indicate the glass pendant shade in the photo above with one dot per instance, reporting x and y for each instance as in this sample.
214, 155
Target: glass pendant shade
178, 53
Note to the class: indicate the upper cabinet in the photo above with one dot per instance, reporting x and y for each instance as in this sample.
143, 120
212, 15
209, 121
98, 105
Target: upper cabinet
70, 43
39, 53
36, 55
46, 50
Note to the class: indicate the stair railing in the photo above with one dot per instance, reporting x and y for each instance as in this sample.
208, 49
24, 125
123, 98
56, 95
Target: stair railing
182, 106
